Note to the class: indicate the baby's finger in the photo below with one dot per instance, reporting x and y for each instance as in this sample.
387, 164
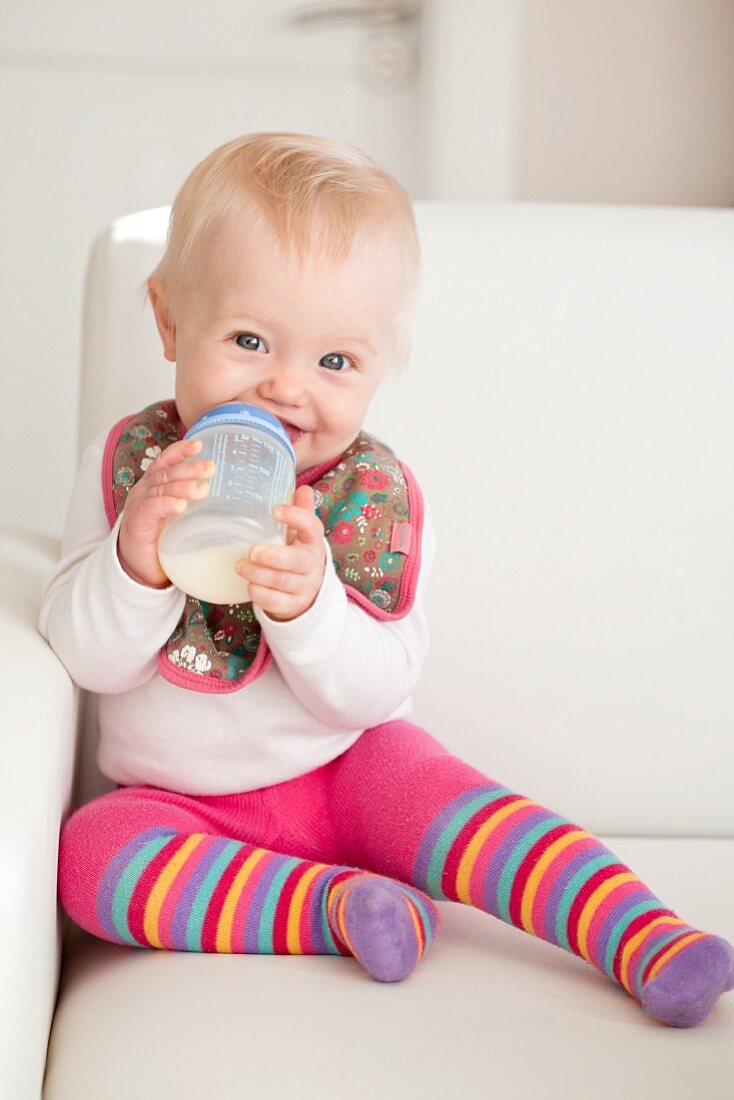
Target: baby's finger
283, 557
269, 578
182, 471
306, 524
193, 490
277, 604
175, 452
153, 509
304, 497
307, 528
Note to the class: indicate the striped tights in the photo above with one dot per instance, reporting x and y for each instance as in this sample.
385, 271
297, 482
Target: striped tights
346, 860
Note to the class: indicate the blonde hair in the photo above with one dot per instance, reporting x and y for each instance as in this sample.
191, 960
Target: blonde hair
315, 193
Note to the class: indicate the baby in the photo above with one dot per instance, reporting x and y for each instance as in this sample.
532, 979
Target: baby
272, 795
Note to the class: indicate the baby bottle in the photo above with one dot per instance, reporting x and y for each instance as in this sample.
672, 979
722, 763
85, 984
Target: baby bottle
255, 472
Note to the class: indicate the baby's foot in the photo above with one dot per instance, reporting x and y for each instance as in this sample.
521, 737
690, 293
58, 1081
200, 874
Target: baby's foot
689, 985
386, 926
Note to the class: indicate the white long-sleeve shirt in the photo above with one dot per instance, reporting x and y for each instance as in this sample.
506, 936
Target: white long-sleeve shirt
336, 671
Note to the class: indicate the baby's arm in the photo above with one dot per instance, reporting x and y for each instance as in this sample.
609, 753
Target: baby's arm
105, 627
349, 669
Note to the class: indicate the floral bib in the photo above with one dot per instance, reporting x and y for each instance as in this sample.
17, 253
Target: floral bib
372, 511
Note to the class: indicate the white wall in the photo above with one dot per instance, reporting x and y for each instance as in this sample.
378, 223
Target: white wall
627, 101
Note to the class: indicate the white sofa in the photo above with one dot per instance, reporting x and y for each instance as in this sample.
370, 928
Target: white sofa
575, 364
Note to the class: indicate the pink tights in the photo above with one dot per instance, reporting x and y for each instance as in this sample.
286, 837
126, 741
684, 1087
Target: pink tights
270, 871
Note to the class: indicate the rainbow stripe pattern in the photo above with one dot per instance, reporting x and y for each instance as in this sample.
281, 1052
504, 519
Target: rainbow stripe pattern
501, 852
423, 914
202, 892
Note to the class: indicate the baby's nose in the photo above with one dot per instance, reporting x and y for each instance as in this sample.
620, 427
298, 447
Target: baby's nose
285, 383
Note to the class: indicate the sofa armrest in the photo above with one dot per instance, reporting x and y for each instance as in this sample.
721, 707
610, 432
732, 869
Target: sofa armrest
39, 734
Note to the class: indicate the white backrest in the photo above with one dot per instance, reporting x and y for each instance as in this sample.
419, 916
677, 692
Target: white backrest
568, 414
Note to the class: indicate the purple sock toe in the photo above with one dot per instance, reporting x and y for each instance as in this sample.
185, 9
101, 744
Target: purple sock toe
381, 929
688, 987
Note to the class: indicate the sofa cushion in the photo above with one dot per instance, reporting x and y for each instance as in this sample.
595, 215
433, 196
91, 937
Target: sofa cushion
489, 1008
567, 415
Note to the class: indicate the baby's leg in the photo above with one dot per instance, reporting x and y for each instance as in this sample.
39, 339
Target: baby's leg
404, 806
142, 867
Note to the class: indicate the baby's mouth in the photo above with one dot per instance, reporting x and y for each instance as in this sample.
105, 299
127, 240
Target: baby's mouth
294, 433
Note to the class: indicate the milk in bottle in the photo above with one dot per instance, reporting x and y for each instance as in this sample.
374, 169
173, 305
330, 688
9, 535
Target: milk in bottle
255, 471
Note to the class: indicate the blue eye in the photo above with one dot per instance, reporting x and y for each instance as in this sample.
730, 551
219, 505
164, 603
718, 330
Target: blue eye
336, 361
328, 361
247, 336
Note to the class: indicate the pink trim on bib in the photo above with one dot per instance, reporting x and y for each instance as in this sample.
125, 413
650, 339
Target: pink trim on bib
107, 481
181, 677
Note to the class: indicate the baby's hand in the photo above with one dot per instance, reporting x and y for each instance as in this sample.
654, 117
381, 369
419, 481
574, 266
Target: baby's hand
160, 492
290, 583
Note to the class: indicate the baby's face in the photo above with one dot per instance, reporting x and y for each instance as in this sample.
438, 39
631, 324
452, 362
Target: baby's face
310, 344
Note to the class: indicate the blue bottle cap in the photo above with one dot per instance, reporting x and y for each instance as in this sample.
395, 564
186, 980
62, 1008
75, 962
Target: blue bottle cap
252, 416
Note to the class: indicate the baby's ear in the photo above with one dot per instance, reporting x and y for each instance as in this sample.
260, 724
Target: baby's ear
163, 319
